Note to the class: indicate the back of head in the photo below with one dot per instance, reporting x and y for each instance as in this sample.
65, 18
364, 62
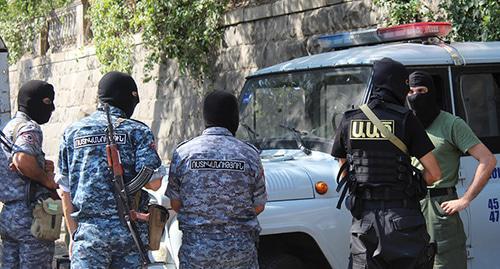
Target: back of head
220, 109
119, 89
390, 80
36, 98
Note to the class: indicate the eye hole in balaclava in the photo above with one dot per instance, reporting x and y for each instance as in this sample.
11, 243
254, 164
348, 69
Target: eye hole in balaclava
424, 105
36, 98
119, 89
220, 109
390, 81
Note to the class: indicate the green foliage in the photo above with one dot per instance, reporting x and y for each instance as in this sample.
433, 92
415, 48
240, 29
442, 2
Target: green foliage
473, 20
187, 31
112, 34
22, 20
405, 11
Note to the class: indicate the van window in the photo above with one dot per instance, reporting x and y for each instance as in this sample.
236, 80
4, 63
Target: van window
480, 98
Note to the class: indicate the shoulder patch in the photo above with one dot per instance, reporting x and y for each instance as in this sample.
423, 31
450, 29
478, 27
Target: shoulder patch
365, 130
210, 164
98, 139
29, 138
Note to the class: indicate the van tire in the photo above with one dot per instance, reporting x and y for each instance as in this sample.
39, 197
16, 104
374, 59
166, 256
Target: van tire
282, 261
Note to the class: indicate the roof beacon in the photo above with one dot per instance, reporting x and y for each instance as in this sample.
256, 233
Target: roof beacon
387, 34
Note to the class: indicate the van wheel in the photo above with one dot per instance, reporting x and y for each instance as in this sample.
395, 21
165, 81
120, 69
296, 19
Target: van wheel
281, 261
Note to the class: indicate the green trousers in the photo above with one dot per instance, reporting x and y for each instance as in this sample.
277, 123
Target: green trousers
447, 231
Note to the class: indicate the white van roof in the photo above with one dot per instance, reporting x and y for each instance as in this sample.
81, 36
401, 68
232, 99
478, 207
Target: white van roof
407, 53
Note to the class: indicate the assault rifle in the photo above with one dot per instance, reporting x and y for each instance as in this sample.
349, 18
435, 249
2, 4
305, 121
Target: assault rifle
32, 185
120, 190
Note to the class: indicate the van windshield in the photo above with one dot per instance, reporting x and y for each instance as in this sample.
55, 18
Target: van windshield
274, 109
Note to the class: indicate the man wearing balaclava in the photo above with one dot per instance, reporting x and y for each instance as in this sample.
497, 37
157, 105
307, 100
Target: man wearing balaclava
451, 137
21, 248
99, 239
388, 229
216, 184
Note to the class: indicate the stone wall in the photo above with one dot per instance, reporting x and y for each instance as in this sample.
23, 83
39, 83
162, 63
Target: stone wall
255, 36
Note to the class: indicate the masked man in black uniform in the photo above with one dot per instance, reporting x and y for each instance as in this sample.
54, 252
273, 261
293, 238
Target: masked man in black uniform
388, 229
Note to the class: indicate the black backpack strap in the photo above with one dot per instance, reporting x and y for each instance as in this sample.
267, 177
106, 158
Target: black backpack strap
341, 183
342, 196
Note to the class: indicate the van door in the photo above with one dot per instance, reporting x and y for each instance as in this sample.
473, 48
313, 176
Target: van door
476, 91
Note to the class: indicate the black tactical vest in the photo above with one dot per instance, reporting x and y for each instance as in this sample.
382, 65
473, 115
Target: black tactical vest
374, 162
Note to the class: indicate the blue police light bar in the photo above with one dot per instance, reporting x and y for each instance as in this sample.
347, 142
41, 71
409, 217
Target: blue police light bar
387, 34
349, 39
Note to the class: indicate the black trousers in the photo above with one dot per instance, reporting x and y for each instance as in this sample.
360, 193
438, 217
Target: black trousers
388, 238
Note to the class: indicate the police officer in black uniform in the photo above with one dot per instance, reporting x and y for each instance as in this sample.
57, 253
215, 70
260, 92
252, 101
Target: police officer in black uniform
388, 229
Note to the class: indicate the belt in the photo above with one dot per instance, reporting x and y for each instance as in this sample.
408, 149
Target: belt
433, 192
380, 193
377, 204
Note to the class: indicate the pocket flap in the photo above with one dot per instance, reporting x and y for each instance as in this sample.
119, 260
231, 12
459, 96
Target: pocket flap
405, 222
52, 207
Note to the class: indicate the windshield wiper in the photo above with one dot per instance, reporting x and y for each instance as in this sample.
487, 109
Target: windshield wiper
298, 138
251, 132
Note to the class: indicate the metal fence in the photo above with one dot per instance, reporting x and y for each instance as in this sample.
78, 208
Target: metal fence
67, 28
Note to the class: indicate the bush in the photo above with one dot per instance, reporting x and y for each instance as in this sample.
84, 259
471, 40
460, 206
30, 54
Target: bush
473, 20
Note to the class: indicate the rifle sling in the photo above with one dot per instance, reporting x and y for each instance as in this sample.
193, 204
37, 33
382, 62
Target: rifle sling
375, 120
120, 191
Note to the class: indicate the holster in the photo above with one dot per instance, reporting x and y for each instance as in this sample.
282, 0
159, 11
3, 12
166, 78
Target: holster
158, 216
419, 183
353, 204
47, 219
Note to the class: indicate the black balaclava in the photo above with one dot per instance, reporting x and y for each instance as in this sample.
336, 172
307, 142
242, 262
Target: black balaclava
424, 105
119, 90
220, 109
31, 100
390, 81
